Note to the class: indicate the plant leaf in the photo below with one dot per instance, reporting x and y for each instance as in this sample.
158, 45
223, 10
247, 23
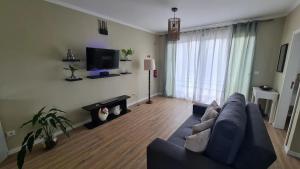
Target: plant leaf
37, 116
30, 143
69, 124
24, 124
63, 118
53, 123
57, 110
124, 51
38, 133
21, 157
26, 137
60, 124
64, 130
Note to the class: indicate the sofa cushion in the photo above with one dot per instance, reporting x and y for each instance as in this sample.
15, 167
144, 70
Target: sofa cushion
228, 131
197, 142
257, 150
210, 113
203, 125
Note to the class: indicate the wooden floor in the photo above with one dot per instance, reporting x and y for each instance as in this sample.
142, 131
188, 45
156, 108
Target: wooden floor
121, 144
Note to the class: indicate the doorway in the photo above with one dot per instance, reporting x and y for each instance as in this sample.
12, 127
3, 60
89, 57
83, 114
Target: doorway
290, 74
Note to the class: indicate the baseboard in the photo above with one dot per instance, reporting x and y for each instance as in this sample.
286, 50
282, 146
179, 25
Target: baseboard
291, 153
17, 149
143, 99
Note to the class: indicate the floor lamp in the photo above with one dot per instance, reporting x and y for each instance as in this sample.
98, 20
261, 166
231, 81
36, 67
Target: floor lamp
149, 64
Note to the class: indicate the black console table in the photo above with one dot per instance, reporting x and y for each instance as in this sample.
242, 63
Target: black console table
110, 103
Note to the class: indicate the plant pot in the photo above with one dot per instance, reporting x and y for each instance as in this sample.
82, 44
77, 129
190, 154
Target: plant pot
50, 143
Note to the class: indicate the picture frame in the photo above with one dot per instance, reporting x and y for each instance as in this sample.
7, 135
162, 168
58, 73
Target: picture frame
282, 57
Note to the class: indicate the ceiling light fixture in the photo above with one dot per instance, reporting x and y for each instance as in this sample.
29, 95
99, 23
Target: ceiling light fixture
173, 27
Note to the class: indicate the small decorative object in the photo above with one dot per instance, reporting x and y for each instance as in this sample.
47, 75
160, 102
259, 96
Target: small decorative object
116, 110
72, 77
282, 57
70, 55
102, 27
45, 123
103, 114
266, 88
173, 27
126, 53
149, 64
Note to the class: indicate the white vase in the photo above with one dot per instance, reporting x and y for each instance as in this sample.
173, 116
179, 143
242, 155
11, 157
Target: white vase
102, 114
116, 110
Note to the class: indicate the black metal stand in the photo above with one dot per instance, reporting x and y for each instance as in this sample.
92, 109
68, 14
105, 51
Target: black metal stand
94, 108
149, 97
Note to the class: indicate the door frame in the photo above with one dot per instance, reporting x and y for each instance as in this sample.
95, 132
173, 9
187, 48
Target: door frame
291, 69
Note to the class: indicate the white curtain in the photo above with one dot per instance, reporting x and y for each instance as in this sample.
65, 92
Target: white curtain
196, 65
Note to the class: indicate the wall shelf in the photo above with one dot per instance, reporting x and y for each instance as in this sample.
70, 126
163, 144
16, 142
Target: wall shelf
100, 77
126, 73
125, 60
71, 60
73, 80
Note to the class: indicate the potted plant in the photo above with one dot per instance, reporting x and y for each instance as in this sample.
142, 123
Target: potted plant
72, 69
45, 123
126, 53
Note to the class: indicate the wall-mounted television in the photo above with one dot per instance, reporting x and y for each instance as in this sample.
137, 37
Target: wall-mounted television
97, 58
282, 57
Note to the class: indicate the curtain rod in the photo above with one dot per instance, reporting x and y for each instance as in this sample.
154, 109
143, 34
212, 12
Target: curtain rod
224, 24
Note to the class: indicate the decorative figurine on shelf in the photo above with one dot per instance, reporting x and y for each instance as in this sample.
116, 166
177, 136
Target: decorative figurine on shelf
70, 55
116, 110
103, 114
126, 53
72, 77
102, 27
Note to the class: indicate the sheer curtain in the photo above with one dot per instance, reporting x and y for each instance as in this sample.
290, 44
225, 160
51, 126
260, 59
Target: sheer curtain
196, 65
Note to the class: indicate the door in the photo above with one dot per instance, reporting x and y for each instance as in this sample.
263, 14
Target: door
292, 68
3, 146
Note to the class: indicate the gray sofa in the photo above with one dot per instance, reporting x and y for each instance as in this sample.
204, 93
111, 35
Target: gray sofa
239, 140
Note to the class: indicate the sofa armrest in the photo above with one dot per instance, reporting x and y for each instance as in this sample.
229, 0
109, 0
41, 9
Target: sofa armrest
165, 155
199, 108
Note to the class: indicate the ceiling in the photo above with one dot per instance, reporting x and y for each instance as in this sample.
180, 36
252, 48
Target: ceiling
152, 15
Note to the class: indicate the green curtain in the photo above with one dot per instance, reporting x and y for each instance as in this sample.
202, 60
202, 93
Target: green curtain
170, 62
241, 59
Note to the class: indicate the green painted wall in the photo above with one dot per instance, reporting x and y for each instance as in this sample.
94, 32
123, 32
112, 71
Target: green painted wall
35, 36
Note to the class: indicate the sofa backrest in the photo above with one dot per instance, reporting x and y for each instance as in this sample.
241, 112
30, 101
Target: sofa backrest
228, 131
257, 150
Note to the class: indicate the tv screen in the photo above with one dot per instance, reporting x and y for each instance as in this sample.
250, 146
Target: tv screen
97, 58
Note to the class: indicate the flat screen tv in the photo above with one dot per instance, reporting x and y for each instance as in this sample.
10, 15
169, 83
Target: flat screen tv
97, 59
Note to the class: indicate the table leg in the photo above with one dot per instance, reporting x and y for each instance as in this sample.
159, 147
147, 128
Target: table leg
256, 100
267, 107
273, 109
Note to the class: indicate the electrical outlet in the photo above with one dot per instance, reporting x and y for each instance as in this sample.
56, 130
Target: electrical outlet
11, 133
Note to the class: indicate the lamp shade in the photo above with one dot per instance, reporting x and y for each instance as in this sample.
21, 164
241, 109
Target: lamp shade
149, 64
